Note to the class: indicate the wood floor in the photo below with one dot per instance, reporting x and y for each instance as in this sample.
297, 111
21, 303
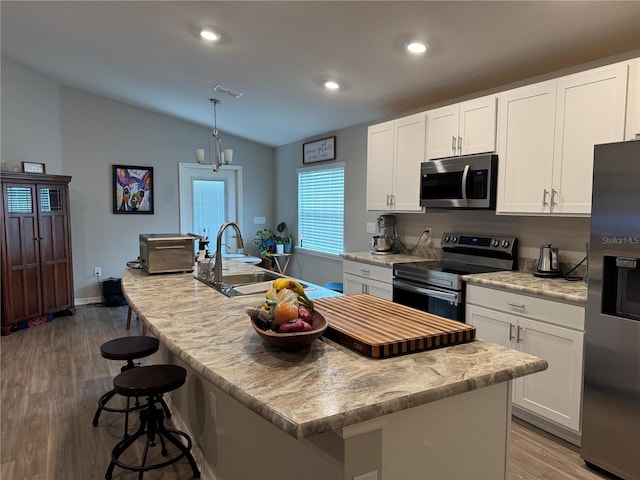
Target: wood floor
53, 374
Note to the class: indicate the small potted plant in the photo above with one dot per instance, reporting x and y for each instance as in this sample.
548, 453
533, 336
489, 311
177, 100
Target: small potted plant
265, 239
280, 239
288, 244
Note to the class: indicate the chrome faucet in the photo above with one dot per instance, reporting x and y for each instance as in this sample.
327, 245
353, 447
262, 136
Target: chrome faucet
217, 267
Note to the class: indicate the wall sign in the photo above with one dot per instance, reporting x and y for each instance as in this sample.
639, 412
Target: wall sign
33, 167
319, 150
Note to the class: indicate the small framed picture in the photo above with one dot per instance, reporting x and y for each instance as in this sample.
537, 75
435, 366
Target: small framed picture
33, 167
319, 150
132, 189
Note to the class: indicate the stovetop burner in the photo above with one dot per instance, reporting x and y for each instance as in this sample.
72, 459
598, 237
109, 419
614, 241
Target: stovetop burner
461, 255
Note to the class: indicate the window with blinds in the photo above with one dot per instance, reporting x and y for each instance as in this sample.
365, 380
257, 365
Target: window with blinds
321, 208
19, 200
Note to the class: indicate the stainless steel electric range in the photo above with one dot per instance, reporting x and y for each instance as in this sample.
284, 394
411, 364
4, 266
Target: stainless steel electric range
436, 286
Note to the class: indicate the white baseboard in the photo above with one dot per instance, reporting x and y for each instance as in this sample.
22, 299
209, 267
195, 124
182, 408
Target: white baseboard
87, 300
548, 426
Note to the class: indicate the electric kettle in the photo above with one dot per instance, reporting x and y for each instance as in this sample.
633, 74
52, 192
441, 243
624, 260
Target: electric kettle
548, 263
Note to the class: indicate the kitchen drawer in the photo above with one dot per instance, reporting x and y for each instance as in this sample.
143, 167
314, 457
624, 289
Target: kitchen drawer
382, 274
550, 311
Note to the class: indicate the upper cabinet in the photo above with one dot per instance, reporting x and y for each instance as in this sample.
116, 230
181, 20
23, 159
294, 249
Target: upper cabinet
633, 101
462, 129
546, 134
395, 150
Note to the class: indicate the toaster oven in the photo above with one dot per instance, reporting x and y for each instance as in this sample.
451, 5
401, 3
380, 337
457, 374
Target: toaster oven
167, 252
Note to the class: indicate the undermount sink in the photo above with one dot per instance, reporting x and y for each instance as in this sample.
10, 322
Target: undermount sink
239, 284
253, 277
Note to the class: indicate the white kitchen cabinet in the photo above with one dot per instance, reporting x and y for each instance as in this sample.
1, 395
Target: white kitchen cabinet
547, 329
546, 134
462, 129
525, 148
360, 277
395, 150
633, 102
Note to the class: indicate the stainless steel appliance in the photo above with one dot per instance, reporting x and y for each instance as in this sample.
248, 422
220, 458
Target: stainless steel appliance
166, 252
467, 182
548, 263
611, 400
436, 286
386, 241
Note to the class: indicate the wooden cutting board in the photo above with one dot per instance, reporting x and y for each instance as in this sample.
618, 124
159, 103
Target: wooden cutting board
379, 328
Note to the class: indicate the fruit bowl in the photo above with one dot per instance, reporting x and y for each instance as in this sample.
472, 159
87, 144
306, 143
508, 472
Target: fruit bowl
294, 340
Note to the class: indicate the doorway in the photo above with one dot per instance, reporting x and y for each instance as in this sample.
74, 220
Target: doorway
208, 199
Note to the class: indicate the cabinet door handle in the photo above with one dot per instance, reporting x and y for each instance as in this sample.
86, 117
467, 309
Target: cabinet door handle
545, 192
460, 144
516, 305
393, 199
453, 144
511, 325
554, 192
520, 337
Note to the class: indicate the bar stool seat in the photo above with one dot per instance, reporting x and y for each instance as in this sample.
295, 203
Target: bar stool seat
129, 348
151, 381
126, 349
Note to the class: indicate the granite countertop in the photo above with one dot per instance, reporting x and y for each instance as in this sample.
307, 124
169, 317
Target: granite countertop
518, 281
527, 283
321, 388
384, 260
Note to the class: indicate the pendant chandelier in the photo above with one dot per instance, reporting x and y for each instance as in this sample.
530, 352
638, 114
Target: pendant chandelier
215, 142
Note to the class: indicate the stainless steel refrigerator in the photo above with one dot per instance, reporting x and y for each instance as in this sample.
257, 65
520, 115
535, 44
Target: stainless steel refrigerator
611, 401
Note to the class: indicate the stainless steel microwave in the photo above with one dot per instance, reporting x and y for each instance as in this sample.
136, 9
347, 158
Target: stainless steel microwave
467, 182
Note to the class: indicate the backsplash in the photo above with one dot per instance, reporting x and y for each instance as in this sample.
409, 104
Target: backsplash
426, 251
568, 234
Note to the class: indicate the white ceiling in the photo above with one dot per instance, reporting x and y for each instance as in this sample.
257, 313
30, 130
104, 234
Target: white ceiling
149, 54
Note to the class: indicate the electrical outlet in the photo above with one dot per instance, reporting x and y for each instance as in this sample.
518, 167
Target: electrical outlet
427, 230
371, 227
97, 271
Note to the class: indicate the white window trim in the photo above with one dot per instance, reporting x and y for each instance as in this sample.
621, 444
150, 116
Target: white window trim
326, 166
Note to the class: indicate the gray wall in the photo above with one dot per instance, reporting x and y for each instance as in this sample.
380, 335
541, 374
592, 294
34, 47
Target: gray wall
80, 134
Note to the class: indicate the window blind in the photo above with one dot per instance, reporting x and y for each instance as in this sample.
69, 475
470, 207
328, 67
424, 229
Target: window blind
19, 200
321, 209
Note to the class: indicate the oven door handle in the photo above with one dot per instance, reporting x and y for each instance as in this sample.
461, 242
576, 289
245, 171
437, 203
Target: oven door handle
451, 297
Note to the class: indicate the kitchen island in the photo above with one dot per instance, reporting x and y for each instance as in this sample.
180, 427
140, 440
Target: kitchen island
324, 412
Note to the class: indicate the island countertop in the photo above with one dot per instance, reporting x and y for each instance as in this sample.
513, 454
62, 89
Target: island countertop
321, 388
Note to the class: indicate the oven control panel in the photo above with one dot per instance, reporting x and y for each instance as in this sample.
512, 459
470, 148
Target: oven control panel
504, 244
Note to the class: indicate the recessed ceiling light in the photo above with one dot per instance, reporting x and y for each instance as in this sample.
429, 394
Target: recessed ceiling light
209, 35
416, 48
331, 85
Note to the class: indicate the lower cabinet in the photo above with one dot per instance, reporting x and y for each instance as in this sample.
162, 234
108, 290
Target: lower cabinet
547, 329
360, 277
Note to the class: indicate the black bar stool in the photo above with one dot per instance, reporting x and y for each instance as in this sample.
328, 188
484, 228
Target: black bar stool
152, 382
127, 349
